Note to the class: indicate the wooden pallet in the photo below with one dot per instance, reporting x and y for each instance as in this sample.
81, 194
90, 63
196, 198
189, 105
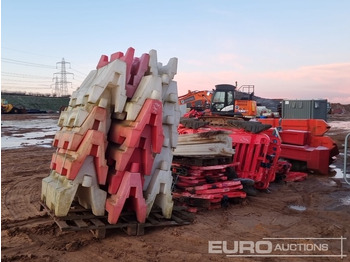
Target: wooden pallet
81, 219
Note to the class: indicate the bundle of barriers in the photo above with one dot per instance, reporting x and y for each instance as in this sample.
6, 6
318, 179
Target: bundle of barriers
114, 146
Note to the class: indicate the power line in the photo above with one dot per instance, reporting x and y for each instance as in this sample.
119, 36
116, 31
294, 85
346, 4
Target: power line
24, 63
26, 52
15, 80
15, 75
79, 72
26, 81
24, 84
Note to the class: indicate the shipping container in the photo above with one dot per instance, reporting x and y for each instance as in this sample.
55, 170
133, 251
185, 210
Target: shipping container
305, 109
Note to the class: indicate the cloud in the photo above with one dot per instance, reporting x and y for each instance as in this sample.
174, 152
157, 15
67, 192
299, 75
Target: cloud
331, 81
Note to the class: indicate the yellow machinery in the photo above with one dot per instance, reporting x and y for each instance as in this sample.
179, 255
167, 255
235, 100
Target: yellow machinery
7, 108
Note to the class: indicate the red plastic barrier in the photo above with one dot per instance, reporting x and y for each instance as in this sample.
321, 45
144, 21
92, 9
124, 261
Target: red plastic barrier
141, 153
256, 155
229, 194
68, 163
218, 190
273, 155
71, 138
135, 68
127, 133
216, 185
295, 176
316, 151
134, 159
283, 167
316, 158
317, 127
250, 153
205, 186
131, 190
102, 62
135, 143
138, 70
128, 59
293, 137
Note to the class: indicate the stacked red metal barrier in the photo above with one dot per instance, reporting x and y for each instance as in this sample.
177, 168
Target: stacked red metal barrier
256, 155
204, 186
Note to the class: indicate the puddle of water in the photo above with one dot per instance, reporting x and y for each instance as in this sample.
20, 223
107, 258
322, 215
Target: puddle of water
338, 173
345, 201
18, 142
27, 124
24, 133
342, 199
297, 207
339, 124
330, 183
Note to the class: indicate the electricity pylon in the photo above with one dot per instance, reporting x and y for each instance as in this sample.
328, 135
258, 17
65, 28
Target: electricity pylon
56, 89
61, 83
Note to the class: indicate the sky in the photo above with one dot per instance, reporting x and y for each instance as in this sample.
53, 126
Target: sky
290, 49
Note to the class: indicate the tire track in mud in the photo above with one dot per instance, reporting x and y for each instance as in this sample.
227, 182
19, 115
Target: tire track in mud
27, 232
21, 199
21, 181
25, 239
7, 224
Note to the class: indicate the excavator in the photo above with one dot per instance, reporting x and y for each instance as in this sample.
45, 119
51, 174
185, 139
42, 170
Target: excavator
224, 100
197, 100
7, 108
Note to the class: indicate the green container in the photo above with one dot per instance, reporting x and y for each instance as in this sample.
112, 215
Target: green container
305, 109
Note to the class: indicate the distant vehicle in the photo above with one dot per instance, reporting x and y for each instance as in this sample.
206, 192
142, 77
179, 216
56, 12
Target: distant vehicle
224, 100
7, 108
227, 101
197, 100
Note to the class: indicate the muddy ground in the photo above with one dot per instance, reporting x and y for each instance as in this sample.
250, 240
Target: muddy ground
322, 210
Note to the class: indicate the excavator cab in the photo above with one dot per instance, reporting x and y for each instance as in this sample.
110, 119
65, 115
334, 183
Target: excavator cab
226, 101
223, 100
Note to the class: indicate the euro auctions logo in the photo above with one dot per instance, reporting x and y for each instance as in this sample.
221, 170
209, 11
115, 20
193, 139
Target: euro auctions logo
280, 247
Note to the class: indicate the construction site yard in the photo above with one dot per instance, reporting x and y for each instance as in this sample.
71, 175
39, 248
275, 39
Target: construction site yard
318, 207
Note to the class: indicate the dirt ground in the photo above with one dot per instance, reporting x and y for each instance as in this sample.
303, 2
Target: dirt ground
28, 234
